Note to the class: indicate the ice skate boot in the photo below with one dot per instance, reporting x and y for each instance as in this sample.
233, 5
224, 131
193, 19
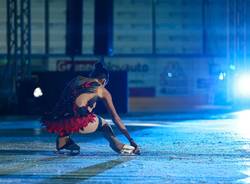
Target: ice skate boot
70, 147
127, 150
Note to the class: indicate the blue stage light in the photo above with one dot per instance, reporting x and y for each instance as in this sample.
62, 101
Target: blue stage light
242, 85
232, 67
222, 76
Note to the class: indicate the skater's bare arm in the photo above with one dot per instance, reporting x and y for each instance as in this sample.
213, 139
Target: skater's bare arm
107, 98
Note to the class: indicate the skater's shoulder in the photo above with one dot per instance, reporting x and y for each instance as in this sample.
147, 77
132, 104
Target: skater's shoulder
103, 92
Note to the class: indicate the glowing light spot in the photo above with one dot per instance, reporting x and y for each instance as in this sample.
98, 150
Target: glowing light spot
38, 92
222, 75
232, 67
242, 85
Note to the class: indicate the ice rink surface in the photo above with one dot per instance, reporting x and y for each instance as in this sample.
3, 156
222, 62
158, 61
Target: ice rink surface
176, 148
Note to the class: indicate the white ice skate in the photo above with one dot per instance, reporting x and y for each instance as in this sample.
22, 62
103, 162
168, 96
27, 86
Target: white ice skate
127, 150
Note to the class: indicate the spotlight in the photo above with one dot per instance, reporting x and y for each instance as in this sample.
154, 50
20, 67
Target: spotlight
242, 85
38, 92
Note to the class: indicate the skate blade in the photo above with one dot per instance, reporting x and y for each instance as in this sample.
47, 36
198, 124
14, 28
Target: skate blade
67, 153
127, 154
127, 150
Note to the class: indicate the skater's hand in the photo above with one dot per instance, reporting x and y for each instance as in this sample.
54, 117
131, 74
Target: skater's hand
137, 150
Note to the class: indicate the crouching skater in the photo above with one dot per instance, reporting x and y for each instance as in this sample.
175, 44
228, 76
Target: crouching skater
73, 114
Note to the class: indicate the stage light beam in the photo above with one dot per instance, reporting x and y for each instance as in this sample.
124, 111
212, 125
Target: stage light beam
242, 85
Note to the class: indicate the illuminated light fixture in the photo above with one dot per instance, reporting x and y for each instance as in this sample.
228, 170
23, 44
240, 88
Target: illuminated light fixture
222, 75
170, 74
37, 92
232, 67
242, 85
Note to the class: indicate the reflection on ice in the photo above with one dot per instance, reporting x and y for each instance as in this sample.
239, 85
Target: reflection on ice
242, 123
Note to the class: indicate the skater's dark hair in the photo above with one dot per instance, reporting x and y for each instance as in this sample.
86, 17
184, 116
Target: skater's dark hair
100, 72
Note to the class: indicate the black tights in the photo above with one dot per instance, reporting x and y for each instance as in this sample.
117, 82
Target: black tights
108, 133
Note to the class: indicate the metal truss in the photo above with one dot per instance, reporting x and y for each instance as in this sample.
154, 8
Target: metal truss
18, 44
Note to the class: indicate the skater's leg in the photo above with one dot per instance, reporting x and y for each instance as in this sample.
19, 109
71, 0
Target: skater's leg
62, 140
101, 125
65, 142
108, 133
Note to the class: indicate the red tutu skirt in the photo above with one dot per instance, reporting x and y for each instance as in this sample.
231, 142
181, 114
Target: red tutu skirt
67, 126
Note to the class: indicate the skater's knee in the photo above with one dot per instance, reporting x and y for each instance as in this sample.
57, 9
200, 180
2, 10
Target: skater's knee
107, 131
102, 124
106, 127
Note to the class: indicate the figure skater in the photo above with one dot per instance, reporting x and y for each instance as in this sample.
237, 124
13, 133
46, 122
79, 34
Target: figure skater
73, 113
